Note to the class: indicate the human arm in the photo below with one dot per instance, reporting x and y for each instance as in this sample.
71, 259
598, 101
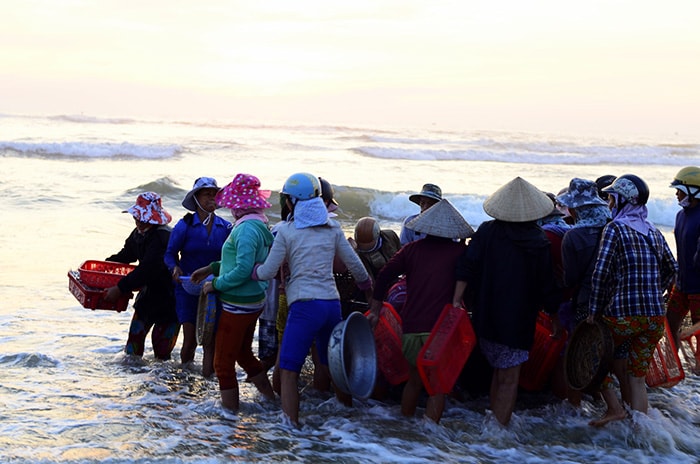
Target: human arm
238, 256
176, 243
274, 260
602, 271
375, 307
460, 287
128, 253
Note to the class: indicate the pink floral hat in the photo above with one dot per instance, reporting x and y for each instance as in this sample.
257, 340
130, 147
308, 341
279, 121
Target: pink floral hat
149, 209
243, 193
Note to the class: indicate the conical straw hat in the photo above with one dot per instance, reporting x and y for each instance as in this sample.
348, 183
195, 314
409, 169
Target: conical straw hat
518, 201
441, 220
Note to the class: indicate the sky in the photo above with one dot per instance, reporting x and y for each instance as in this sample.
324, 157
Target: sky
533, 65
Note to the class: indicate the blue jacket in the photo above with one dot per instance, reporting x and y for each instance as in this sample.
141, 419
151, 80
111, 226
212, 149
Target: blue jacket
687, 233
191, 247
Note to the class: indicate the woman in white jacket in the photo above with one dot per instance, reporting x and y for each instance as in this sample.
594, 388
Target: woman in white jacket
308, 242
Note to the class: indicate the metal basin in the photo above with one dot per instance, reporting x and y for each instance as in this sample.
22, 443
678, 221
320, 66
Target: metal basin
352, 356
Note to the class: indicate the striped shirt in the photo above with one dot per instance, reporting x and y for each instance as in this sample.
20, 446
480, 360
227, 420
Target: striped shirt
632, 272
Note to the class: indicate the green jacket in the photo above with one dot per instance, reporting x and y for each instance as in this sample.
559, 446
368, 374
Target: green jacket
248, 243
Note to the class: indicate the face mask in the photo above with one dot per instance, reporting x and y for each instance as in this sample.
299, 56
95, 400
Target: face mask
685, 202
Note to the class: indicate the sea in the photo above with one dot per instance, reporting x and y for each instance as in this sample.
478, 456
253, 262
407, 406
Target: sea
69, 394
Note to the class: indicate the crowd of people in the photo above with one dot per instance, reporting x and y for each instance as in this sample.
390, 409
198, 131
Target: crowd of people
585, 255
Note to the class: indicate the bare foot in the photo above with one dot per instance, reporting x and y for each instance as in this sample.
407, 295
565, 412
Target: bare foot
608, 417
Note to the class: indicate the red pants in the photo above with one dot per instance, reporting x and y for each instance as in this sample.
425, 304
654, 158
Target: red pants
234, 344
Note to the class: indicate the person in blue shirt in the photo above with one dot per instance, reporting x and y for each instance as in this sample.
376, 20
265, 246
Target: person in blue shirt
427, 197
195, 241
685, 296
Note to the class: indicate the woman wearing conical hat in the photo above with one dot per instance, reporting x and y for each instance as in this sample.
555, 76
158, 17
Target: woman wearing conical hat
507, 272
429, 266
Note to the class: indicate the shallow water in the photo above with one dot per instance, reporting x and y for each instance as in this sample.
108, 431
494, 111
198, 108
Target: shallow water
68, 393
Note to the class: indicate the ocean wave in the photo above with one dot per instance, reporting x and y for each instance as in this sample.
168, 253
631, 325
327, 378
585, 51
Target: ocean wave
28, 360
82, 119
391, 208
90, 150
542, 153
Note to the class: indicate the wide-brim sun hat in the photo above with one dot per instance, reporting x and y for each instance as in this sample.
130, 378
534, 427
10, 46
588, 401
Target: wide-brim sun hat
518, 201
149, 209
441, 220
581, 192
431, 191
243, 192
201, 183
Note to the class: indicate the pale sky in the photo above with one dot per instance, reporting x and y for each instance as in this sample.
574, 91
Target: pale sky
596, 65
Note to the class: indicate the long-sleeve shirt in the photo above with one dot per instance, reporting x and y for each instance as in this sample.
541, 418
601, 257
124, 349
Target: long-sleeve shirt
191, 246
687, 233
631, 273
429, 266
578, 250
309, 253
248, 244
156, 299
508, 270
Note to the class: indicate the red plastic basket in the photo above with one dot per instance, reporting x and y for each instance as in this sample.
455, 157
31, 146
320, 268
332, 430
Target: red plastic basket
103, 274
446, 351
690, 347
537, 370
387, 335
93, 298
665, 368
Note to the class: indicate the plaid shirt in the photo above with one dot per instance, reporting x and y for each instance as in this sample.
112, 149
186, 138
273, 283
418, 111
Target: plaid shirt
631, 273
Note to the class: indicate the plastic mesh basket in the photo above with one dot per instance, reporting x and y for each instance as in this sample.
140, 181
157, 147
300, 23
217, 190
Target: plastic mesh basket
665, 368
93, 298
537, 370
588, 356
387, 336
103, 274
446, 351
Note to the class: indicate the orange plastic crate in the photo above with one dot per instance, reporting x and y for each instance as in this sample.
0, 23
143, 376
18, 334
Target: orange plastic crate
665, 368
387, 335
93, 298
103, 274
537, 370
446, 351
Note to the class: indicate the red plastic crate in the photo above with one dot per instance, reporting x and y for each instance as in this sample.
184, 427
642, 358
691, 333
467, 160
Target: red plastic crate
387, 336
665, 368
93, 298
103, 274
537, 370
446, 351
690, 347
